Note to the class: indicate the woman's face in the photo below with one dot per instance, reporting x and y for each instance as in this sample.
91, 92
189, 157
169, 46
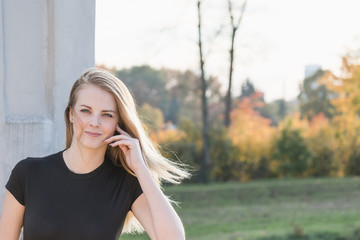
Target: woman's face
94, 117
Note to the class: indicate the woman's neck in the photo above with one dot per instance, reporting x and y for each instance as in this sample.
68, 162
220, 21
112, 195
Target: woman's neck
83, 160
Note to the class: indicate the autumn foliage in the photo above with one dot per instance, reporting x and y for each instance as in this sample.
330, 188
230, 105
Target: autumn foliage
252, 135
312, 142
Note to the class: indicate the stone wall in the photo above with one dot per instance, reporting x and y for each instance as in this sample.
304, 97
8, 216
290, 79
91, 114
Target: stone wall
44, 46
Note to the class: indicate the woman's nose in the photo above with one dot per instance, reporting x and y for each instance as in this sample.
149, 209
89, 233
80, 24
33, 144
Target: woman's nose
94, 121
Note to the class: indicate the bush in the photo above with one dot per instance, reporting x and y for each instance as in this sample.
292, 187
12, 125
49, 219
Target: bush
292, 153
224, 156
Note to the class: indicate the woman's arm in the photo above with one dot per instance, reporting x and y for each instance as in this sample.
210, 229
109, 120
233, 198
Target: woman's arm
11, 220
141, 211
154, 211
152, 208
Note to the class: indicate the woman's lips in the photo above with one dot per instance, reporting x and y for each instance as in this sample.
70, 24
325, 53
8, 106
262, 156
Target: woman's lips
93, 134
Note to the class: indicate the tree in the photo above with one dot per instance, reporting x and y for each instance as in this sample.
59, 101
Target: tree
234, 28
353, 165
186, 88
322, 144
205, 130
252, 135
291, 151
151, 116
315, 97
282, 108
256, 98
347, 103
147, 85
174, 108
279, 109
225, 155
247, 89
347, 86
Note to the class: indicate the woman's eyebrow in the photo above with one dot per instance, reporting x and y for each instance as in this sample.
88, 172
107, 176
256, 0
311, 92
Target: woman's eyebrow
102, 110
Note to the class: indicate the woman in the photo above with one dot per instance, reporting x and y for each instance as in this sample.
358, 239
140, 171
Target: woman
109, 172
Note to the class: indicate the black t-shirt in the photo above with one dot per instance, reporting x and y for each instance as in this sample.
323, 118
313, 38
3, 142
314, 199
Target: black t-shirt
60, 204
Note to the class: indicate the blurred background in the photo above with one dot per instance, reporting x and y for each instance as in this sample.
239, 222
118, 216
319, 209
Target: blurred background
269, 123
260, 99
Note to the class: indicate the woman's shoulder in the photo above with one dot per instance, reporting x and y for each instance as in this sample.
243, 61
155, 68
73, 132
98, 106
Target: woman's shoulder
31, 162
47, 157
121, 171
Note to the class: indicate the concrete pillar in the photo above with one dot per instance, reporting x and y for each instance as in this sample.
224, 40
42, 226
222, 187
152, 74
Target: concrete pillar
44, 46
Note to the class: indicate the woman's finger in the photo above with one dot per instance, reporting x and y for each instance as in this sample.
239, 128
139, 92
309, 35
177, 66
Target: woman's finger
117, 137
121, 131
128, 143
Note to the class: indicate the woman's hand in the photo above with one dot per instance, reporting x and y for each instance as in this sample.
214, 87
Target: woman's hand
152, 208
131, 148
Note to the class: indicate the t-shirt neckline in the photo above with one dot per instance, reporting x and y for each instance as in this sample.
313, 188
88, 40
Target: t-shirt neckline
88, 175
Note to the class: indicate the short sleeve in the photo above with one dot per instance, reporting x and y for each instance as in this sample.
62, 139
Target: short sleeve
16, 182
135, 189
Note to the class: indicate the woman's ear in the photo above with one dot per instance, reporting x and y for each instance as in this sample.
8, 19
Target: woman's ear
71, 118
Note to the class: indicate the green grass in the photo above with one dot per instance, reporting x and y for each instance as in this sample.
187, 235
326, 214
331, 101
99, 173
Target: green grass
306, 209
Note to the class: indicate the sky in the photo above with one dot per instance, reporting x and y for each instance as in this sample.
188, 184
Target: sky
275, 41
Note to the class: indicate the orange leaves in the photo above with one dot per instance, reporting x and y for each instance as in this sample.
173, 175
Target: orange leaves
247, 124
251, 134
346, 86
167, 135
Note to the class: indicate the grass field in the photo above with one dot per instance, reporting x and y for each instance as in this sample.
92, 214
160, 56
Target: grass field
327, 209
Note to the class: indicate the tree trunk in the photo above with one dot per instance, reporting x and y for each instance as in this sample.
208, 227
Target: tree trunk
228, 99
228, 95
205, 131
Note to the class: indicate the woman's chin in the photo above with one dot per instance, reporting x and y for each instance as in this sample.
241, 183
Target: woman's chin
94, 145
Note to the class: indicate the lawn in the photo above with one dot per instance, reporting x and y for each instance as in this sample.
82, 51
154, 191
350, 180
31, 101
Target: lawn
327, 209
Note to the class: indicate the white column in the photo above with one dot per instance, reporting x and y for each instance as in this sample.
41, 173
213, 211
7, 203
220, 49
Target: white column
3, 173
44, 46
74, 52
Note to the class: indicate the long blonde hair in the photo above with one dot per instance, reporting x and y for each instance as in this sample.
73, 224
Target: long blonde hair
161, 168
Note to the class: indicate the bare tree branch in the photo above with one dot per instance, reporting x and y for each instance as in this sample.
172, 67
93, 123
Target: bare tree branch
205, 132
228, 99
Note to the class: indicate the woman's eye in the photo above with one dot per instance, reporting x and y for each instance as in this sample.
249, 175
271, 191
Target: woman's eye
85, 110
108, 115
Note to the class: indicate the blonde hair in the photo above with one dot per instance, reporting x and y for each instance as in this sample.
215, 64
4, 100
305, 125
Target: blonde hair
161, 168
